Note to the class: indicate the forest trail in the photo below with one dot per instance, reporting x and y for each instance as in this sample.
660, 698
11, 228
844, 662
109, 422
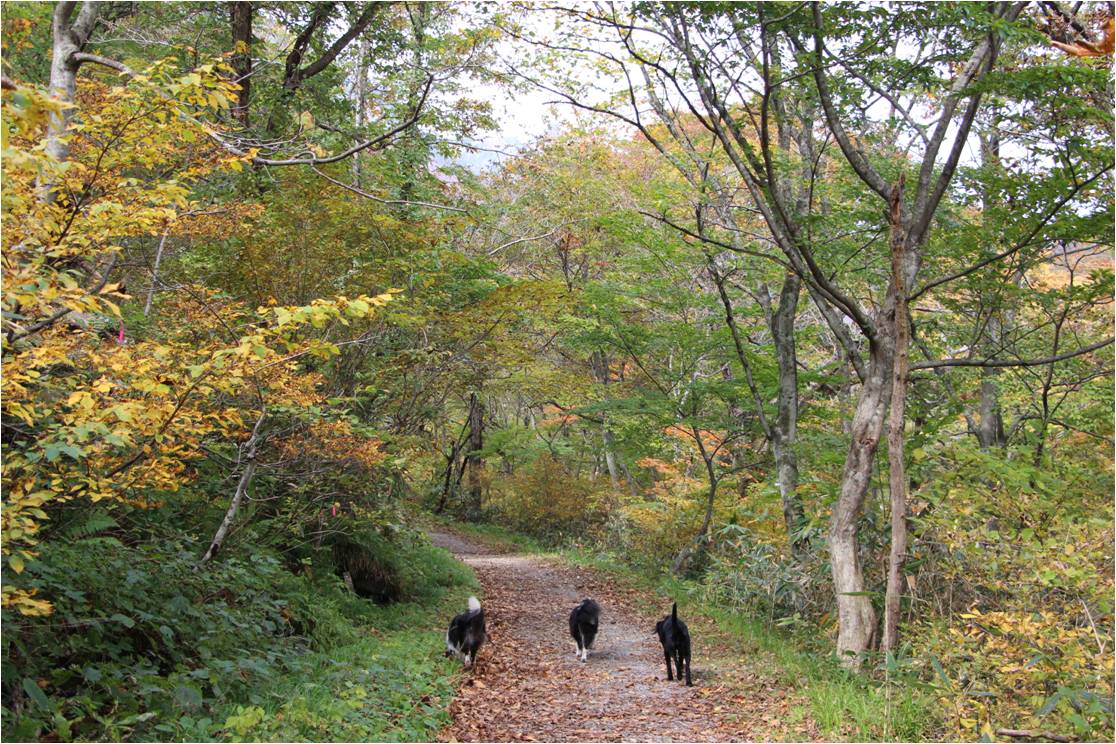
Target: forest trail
529, 685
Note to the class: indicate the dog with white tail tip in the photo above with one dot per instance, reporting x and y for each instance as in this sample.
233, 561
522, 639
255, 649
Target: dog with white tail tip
467, 633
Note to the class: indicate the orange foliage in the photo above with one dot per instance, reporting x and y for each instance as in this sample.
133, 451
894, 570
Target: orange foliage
556, 417
336, 442
710, 440
1083, 48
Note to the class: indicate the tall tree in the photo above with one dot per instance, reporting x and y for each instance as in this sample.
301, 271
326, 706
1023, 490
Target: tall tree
696, 53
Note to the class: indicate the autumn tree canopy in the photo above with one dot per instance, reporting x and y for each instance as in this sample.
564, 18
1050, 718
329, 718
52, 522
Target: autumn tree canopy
805, 308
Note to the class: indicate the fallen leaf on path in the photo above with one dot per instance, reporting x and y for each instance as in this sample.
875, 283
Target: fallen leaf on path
535, 691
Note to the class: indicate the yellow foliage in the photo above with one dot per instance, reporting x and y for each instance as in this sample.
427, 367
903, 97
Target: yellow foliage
96, 419
1009, 663
666, 517
1023, 578
546, 499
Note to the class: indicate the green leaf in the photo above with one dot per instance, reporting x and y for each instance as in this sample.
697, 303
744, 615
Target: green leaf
1050, 704
124, 620
35, 693
187, 697
941, 672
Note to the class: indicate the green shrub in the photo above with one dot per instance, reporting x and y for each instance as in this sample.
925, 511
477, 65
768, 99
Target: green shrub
143, 646
395, 686
749, 574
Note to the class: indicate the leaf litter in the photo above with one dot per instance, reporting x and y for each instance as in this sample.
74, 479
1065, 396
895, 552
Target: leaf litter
528, 684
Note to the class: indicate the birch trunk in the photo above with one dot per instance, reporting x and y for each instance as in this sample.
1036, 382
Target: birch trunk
68, 37
249, 457
154, 275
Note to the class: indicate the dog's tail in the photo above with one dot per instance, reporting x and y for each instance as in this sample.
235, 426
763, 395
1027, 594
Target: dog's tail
674, 612
474, 604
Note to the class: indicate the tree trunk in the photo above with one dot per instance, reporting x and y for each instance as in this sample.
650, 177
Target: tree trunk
249, 457
701, 538
896, 468
989, 430
67, 40
474, 464
610, 460
598, 365
856, 617
740, 459
785, 429
240, 19
154, 275
361, 94
447, 485
990, 426
417, 156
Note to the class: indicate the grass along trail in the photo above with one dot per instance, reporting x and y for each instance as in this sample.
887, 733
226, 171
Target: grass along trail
529, 685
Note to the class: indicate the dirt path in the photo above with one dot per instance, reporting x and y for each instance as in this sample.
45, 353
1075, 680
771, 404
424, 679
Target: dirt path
529, 685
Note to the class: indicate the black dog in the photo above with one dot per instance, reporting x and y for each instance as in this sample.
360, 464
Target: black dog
466, 633
583, 626
675, 637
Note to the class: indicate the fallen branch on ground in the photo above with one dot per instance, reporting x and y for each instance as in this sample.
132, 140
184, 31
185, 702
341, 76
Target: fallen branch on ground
1027, 734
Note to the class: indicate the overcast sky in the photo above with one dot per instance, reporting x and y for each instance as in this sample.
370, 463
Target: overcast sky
522, 116
527, 114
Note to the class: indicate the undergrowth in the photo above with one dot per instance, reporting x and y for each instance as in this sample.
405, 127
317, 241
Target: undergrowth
392, 684
141, 646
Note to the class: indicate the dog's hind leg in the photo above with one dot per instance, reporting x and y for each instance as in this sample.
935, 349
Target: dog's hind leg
686, 658
670, 677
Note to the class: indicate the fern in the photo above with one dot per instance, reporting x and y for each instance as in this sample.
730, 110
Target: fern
87, 525
98, 541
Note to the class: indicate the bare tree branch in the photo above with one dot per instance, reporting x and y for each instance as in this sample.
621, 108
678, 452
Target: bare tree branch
1011, 362
381, 200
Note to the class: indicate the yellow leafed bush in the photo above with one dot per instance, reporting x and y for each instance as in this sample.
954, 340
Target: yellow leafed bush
545, 499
